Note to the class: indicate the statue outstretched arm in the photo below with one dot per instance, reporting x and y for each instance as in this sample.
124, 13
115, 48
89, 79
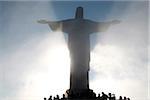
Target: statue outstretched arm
115, 22
43, 21
105, 25
56, 25
101, 26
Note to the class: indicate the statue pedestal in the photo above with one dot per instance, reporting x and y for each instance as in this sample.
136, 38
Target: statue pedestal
80, 94
82, 99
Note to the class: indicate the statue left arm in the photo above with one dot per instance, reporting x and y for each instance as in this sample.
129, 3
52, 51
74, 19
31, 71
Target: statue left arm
101, 26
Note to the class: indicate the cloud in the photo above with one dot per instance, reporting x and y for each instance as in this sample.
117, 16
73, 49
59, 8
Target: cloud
36, 69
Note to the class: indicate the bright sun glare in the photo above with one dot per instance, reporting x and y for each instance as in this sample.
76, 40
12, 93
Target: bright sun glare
53, 76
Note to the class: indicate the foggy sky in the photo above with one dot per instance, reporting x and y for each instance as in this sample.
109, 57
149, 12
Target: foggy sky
119, 57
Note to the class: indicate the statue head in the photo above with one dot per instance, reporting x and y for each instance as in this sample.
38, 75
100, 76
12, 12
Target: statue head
79, 13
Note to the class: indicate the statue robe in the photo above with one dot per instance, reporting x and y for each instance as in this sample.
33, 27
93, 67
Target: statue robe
79, 31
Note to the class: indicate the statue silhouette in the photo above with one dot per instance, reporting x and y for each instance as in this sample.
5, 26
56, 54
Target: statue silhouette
79, 30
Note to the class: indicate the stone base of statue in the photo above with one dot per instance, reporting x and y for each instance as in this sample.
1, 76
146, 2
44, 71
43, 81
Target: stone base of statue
80, 94
80, 99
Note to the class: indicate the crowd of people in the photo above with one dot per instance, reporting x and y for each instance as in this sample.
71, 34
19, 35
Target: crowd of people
102, 96
110, 97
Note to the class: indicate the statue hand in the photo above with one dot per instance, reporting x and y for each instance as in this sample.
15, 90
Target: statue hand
115, 21
42, 21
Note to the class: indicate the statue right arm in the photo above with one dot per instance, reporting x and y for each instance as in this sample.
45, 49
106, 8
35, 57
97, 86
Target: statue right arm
43, 21
54, 25
57, 25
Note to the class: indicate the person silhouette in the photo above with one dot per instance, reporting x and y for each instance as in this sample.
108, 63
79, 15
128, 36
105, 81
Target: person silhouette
120, 98
124, 98
63, 96
44, 98
50, 98
57, 97
104, 96
113, 97
109, 96
128, 98
99, 95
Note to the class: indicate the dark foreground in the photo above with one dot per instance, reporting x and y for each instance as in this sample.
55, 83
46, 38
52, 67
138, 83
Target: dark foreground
102, 96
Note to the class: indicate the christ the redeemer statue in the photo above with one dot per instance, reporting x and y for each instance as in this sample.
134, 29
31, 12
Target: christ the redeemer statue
79, 30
